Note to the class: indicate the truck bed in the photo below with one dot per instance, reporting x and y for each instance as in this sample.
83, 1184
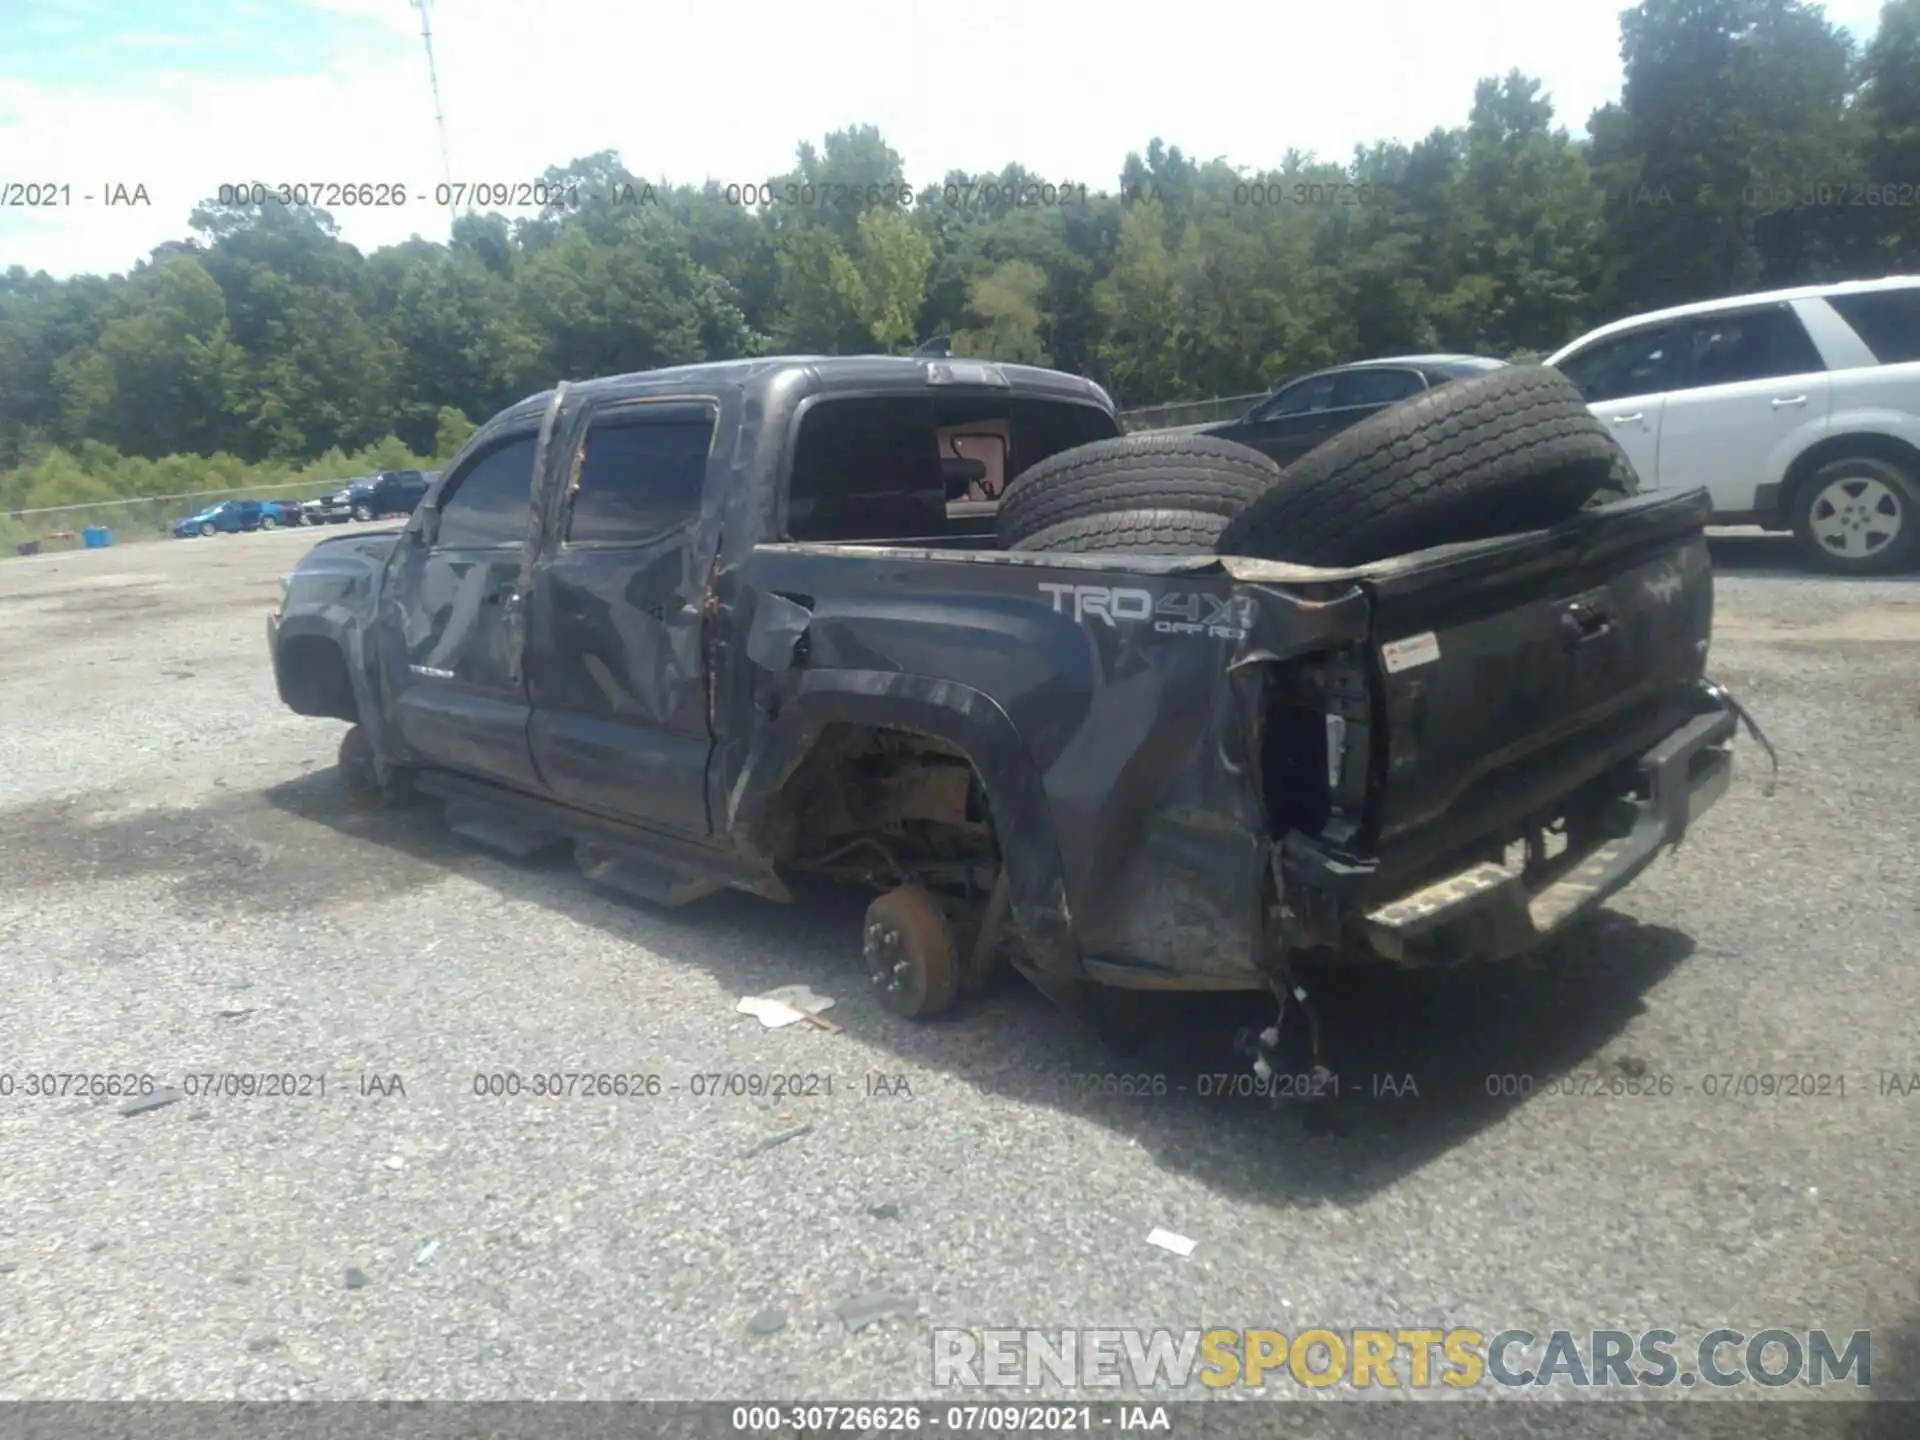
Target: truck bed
1380, 728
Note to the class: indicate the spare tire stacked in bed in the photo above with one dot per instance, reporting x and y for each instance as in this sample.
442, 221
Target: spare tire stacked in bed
1514, 449
1153, 493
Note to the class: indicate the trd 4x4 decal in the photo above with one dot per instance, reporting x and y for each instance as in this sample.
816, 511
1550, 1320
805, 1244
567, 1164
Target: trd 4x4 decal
1178, 612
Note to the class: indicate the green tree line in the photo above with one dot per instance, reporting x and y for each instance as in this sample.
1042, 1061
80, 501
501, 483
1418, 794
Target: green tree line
1754, 144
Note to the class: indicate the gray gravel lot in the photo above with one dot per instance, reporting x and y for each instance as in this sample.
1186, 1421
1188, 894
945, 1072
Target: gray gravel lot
183, 889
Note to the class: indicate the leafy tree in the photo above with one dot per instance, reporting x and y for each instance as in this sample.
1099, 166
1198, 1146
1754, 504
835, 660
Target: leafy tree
1890, 126
451, 430
43, 320
1007, 315
165, 375
1530, 224
458, 342
1139, 306
1723, 100
320, 373
1745, 132
884, 278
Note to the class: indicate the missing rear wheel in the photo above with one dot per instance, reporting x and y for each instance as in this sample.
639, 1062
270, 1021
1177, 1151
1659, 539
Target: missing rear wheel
910, 954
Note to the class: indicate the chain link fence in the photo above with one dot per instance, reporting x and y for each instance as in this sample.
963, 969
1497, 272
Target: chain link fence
1189, 412
147, 517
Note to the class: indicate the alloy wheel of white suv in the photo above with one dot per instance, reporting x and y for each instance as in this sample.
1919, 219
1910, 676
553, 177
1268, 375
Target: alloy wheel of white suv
1859, 516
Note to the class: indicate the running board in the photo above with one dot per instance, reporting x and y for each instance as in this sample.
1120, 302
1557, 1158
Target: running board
644, 878
503, 834
656, 868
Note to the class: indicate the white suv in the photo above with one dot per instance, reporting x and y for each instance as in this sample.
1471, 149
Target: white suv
1797, 410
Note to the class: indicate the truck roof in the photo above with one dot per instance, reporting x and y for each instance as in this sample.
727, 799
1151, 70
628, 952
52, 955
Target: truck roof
815, 373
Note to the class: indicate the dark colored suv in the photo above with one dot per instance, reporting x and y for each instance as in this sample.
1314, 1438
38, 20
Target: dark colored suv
391, 492
1302, 412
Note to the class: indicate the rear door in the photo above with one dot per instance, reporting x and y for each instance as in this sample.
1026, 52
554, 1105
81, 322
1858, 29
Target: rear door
1624, 379
443, 623
615, 659
409, 488
1753, 393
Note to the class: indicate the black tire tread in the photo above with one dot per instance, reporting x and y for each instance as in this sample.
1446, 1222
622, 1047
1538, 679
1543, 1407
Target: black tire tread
1131, 532
1152, 470
1514, 449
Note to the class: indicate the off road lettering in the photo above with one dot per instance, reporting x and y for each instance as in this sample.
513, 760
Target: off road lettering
1225, 617
1175, 613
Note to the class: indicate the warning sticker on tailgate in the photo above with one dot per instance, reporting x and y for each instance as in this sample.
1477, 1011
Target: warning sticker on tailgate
1398, 655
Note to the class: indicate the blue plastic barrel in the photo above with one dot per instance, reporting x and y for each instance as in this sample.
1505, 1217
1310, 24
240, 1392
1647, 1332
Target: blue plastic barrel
96, 537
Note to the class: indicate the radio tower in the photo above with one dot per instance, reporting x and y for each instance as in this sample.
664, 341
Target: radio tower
439, 119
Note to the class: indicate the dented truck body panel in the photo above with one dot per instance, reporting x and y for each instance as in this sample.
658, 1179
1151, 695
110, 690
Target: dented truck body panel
1195, 767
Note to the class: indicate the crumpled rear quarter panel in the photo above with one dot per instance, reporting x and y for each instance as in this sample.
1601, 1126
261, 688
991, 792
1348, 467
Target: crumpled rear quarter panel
1137, 728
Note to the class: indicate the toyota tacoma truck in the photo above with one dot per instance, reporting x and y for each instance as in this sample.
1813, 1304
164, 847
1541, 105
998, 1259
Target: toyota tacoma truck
725, 624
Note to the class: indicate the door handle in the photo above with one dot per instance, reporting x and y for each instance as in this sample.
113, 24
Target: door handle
504, 597
1630, 419
1584, 622
1789, 401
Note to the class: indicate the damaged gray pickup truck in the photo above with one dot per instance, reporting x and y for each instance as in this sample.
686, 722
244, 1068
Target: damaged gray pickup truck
719, 625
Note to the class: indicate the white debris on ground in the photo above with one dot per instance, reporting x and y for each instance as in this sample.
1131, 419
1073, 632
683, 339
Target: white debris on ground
788, 1005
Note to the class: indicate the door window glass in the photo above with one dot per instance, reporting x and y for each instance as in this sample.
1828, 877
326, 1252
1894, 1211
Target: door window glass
1303, 396
1374, 387
1749, 345
487, 503
639, 480
1637, 363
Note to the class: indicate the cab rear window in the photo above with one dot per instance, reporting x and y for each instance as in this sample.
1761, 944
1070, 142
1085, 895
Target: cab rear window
897, 468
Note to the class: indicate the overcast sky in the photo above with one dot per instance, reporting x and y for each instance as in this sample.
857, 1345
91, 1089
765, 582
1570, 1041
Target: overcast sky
182, 95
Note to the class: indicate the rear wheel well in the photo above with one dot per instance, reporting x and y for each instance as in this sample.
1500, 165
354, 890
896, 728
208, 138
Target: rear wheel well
314, 679
885, 807
1842, 447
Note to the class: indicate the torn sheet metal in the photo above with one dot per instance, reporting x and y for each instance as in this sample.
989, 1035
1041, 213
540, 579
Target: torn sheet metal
774, 636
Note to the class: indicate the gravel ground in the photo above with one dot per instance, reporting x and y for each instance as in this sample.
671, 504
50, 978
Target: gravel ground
186, 891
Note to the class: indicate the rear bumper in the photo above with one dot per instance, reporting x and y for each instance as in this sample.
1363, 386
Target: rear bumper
1489, 911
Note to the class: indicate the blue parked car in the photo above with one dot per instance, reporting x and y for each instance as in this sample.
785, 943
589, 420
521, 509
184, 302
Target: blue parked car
232, 516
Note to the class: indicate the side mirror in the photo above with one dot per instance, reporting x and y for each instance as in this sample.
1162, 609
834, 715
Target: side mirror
425, 527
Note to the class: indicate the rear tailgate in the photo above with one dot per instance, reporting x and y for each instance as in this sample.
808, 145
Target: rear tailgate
1506, 678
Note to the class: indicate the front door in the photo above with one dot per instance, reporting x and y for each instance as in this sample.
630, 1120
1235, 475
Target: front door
1755, 393
1290, 422
1624, 379
443, 626
616, 666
